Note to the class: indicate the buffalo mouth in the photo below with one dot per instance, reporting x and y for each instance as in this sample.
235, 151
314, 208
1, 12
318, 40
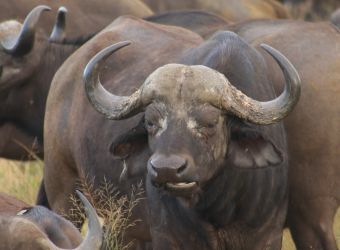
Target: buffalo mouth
182, 189
180, 186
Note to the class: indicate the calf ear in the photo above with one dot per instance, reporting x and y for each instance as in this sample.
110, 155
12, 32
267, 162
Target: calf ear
129, 142
249, 148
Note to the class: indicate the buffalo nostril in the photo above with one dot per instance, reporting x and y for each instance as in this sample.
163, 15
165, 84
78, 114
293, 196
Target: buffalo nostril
182, 168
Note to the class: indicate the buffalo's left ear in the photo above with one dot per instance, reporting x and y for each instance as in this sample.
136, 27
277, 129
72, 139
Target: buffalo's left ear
248, 148
128, 143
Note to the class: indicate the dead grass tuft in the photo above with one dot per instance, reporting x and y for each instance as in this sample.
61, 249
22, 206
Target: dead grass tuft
115, 210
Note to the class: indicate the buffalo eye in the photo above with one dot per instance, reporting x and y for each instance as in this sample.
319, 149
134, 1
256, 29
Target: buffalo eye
206, 129
151, 127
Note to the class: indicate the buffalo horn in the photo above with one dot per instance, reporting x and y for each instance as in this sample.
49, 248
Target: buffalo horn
23, 43
112, 106
233, 101
94, 236
270, 111
58, 32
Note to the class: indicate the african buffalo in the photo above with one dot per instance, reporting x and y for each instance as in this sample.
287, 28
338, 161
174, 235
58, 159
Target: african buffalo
36, 228
215, 179
84, 17
27, 70
313, 127
232, 10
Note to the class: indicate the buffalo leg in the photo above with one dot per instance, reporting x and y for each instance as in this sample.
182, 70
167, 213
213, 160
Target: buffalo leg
42, 197
60, 184
311, 223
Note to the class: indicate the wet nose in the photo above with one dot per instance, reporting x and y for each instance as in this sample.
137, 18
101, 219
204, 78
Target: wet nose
167, 168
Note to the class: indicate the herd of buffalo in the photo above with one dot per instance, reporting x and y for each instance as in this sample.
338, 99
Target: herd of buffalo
228, 112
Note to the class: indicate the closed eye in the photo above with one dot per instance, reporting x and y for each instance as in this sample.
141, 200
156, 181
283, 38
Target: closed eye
151, 127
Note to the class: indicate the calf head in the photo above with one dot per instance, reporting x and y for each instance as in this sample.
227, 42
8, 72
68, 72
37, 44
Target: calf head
188, 114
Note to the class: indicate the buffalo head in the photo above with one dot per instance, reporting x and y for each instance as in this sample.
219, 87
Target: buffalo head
188, 112
21, 49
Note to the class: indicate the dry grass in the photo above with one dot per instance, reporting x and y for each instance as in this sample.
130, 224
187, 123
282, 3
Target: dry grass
22, 180
115, 210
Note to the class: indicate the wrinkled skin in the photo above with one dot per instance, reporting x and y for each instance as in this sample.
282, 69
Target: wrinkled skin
35, 222
231, 10
21, 122
312, 128
208, 213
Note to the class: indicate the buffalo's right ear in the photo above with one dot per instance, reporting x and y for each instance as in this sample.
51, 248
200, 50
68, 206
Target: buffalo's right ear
129, 142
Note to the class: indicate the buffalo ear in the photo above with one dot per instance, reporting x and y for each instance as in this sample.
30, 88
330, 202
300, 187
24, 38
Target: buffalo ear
129, 142
248, 148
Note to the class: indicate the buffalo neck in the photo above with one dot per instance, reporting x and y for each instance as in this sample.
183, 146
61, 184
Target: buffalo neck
246, 195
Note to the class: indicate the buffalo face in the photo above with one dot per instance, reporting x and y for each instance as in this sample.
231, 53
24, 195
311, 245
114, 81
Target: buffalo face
188, 143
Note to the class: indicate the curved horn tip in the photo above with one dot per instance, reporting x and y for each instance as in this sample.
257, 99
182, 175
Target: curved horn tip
89, 209
280, 58
58, 32
62, 9
94, 236
41, 8
272, 51
111, 106
83, 199
103, 54
269, 48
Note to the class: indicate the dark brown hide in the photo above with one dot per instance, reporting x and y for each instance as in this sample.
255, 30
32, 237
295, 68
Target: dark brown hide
312, 128
231, 10
23, 99
239, 206
201, 22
